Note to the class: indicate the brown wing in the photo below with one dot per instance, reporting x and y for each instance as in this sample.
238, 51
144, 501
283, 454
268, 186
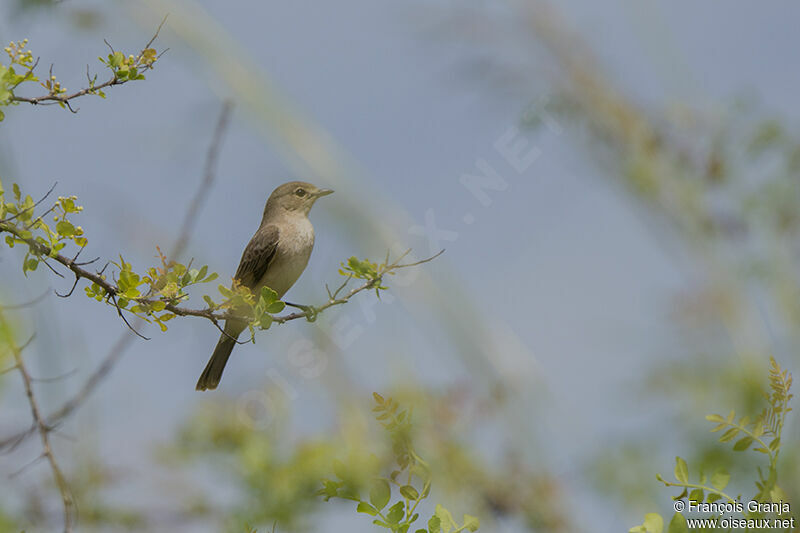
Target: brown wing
257, 256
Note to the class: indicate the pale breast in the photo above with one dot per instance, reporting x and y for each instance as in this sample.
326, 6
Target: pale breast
295, 242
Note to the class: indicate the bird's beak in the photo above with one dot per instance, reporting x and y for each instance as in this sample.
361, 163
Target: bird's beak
323, 192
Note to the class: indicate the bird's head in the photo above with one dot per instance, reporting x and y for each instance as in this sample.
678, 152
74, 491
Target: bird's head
295, 196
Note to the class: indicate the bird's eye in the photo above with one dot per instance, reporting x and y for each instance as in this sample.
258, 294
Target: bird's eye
300, 192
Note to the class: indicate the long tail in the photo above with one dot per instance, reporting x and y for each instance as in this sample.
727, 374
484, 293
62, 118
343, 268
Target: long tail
210, 377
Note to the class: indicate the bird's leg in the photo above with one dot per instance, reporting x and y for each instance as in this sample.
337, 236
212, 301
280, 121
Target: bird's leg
310, 311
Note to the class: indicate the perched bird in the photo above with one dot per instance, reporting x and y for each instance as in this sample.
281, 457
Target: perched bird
275, 257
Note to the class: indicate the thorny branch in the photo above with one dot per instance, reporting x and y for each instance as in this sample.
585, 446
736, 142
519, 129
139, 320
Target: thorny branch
210, 314
40, 426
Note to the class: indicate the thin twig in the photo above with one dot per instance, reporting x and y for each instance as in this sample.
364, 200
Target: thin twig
60, 377
29, 303
67, 295
209, 175
7, 370
42, 428
26, 466
122, 316
42, 199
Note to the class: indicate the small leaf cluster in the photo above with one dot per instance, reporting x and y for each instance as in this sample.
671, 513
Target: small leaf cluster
54, 87
366, 270
411, 470
700, 491
146, 296
764, 431
19, 213
130, 67
696, 492
17, 71
243, 301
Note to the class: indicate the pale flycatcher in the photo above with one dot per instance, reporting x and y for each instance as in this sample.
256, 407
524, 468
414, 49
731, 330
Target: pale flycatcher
275, 257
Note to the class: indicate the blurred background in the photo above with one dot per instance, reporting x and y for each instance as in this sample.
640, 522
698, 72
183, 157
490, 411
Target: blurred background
615, 184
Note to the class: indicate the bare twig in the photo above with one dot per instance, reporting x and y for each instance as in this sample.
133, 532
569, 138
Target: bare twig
113, 299
67, 295
7, 370
42, 428
53, 379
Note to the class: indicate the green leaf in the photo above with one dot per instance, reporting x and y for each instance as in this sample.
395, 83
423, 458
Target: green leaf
116, 59
275, 307
268, 295
720, 479
742, 444
31, 264
712, 497
681, 470
434, 524
678, 524
330, 489
409, 492
653, 523
364, 507
729, 435
380, 493
446, 518
396, 513
715, 418
225, 291
471, 522
697, 495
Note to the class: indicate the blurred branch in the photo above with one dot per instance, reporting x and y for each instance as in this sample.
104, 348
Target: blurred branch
209, 176
39, 423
